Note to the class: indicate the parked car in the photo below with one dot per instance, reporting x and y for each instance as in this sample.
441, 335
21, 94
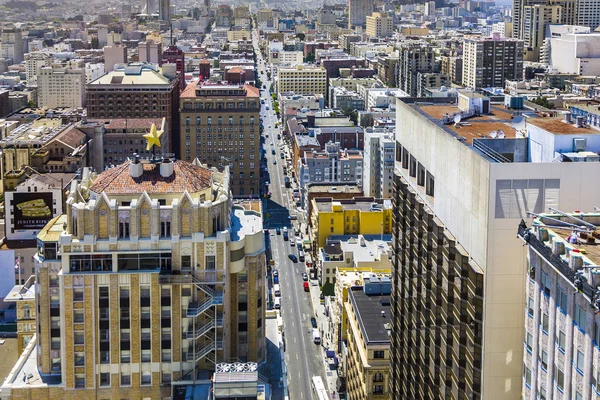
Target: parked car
278, 231
313, 322
293, 258
304, 276
306, 288
275, 272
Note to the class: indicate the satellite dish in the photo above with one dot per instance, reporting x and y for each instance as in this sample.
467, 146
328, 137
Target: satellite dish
501, 134
494, 134
457, 118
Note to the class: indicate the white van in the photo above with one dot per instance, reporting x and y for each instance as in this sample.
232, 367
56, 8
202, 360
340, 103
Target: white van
276, 290
277, 304
316, 336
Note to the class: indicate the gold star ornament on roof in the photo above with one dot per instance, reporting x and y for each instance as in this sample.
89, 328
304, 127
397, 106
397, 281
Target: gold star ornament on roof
153, 137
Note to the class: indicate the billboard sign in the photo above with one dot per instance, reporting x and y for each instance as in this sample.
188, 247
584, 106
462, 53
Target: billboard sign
32, 210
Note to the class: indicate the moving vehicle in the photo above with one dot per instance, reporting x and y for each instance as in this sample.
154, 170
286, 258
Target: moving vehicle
274, 162
277, 303
293, 257
276, 290
287, 182
292, 243
268, 108
300, 255
278, 231
273, 151
319, 388
278, 136
306, 288
285, 235
316, 336
262, 101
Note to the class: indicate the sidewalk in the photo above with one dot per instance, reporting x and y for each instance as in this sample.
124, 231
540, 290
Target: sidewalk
331, 375
275, 361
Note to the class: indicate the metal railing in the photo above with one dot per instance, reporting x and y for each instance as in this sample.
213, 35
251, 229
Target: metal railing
491, 153
201, 330
195, 309
527, 234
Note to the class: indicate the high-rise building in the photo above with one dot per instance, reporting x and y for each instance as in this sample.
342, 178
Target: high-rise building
562, 325
588, 14
113, 55
138, 91
142, 284
458, 272
164, 10
536, 18
150, 51
220, 127
379, 162
174, 55
34, 62
412, 60
358, 11
489, 62
379, 25
11, 44
568, 13
61, 87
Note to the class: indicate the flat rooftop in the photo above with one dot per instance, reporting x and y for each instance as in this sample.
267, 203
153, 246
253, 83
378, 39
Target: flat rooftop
361, 205
558, 126
590, 248
473, 127
368, 312
246, 219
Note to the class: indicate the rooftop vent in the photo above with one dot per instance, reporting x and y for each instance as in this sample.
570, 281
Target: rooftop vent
136, 169
166, 168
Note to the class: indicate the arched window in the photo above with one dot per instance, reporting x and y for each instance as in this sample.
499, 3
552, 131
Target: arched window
187, 121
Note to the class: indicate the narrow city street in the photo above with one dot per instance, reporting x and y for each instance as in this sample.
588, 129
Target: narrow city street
303, 358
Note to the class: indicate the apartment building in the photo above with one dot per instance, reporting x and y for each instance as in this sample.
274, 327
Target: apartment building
456, 332
115, 54
33, 63
234, 36
332, 164
151, 277
414, 58
358, 11
302, 79
23, 295
452, 66
368, 357
220, 127
118, 139
427, 80
346, 278
61, 87
379, 161
343, 99
138, 90
489, 62
562, 326
357, 216
12, 44
537, 18
379, 25
150, 51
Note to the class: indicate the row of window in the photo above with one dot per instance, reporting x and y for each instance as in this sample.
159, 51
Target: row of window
219, 120
415, 169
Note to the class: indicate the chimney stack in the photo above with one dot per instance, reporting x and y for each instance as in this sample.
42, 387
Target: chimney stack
166, 168
136, 169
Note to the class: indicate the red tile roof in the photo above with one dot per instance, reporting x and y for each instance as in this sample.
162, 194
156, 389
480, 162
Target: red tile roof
186, 176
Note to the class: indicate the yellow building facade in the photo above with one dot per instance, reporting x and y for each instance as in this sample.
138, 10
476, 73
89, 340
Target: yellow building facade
153, 275
358, 216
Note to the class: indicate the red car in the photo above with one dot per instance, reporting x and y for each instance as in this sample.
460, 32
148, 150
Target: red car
306, 288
